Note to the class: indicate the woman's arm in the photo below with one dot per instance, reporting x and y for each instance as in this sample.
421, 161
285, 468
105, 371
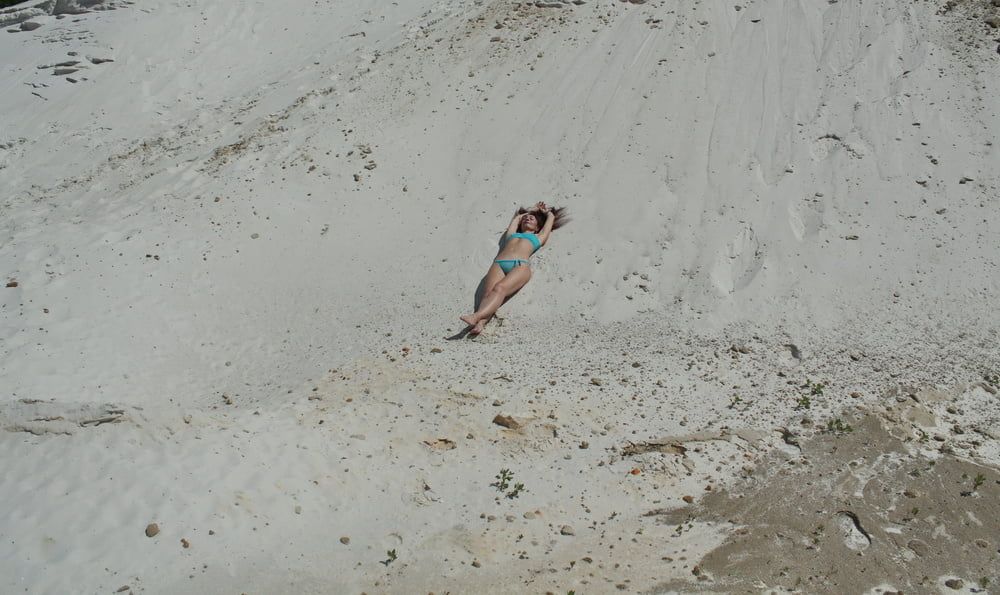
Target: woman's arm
550, 219
514, 223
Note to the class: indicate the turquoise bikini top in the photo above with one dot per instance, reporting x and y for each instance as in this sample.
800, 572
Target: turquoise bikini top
533, 238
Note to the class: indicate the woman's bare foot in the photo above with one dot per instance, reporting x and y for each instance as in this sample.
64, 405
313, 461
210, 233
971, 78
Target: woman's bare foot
469, 319
478, 327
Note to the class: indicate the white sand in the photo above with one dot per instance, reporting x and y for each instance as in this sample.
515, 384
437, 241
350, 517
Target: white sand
196, 264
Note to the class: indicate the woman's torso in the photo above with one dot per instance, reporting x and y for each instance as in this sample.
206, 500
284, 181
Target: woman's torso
520, 245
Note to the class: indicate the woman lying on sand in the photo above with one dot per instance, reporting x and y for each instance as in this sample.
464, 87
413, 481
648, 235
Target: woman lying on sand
510, 271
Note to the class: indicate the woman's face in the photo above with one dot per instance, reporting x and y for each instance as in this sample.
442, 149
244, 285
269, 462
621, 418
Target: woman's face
529, 222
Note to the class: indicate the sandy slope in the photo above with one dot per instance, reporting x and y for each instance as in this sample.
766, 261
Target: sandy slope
242, 236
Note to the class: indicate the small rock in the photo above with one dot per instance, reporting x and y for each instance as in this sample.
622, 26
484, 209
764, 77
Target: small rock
254, 236
567, 530
954, 583
345, 540
584, 445
435, 350
918, 547
529, 515
476, 564
30, 25
152, 529
12, 283
688, 499
596, 381
211, 532
298, 510
506, 421
123, 588
185, 543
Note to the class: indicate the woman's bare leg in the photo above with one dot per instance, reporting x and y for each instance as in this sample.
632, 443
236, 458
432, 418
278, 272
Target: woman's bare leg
493, 276
492, 300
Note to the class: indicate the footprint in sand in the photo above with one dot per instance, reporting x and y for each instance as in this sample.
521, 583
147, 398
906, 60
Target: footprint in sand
805, 217
738, 262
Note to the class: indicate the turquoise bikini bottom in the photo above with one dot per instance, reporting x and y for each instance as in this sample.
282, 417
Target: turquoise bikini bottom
508, 265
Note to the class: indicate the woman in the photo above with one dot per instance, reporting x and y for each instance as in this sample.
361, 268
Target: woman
528, 231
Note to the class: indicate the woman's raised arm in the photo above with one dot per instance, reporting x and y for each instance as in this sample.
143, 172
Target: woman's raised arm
514, 223
550, 220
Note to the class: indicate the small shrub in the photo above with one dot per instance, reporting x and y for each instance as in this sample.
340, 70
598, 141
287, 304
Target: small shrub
836, 426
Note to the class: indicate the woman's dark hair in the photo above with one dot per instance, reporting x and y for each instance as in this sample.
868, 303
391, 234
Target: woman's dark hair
562, 217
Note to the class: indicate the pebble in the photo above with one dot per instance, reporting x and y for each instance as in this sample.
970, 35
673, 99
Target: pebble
185, 543
298, 510
688, 499
567, 530
152, 529
584, 445
954, 583
476, 564
345, 540
529, 515
918, 547
506, 421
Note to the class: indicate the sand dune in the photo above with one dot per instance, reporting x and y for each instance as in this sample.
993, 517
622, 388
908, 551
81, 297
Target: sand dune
236, 239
